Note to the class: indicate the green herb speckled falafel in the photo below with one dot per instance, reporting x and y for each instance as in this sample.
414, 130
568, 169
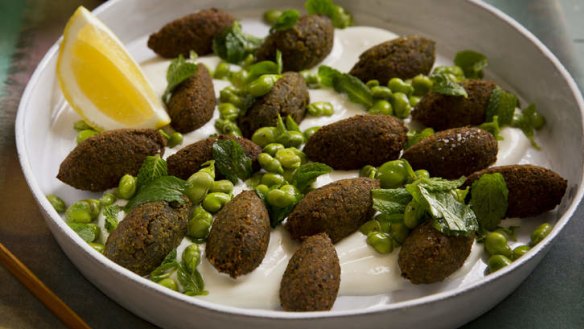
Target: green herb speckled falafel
99, 162
443, 112
428, 256
289, 96
189, 159
357, 141
338, 209
147, 234
532, 189
239, 236
192, 32
192, 102
312, 278
303, 46
454, 152
403, 57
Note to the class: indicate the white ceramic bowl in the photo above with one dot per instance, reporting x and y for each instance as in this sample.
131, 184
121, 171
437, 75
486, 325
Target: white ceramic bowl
517, 60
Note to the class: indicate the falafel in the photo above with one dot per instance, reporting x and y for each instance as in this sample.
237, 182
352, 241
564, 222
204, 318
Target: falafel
289, 96
337, 209
357, 141
192, 32
312, 278
428, 256
239, 236
444, 112
189, 159
533, 190
403, 57
454, 152
99, 162
147, 234
192, 102
302, 46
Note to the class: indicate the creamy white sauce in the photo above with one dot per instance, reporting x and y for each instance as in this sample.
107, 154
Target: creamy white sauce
364, 272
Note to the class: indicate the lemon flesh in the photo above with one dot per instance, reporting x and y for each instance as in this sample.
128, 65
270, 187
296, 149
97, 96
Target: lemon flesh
101, 81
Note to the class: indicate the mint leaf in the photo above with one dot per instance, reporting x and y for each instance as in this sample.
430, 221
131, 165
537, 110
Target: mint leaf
339, 17
528, 121
415, 136
345, 83
307, 173
493, 127
111, 217
390, 201
191, 282
277, 215
445, 84
168, 266
287, 20
501, 104
233, 45
489, 199
231, 160
178, 71
86, 231
164, 188
291, 125
264, 67
152, 168
471, 62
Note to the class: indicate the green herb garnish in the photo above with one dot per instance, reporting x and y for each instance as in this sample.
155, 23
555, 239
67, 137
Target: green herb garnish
415, 136
471, 62
493, 127
501, 104
390, 201
111, 217
233, 45
164, 188
86, 231
489, 195
286, 20
356, 90
307, 173
178, 71
152, 168
191, 282
231, 160
169, 265
528, 121
444, 84
339, 17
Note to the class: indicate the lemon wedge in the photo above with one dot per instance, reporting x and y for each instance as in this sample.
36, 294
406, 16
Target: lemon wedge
101, 81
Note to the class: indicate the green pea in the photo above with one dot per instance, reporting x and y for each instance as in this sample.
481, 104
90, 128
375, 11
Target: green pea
107, 199
401, 105
224, 186
381, 107
57, 203
496, 244
413, 214
399, 232
265, 136
228, 111
227, 127
414, 100
272, 148
239, 79
381, 242
199, 224
291, 139
290, 189
540, 233
381, 92
368, 171
270, 164
397, 85
229, 95
169, 283
127, 187
454, 72
497, 262
94, 207
97, 246
288, 158
175, 139
214, 201
281, 198
422, 84
310, 131
79, 212
262, 85
519, 251
394, 174
248, 61
372, 83
85, 134
320, 109
209, 168
222, 71
262, 189
271, 16
191, 257
370, 226
422, 173
271, 179
198, 185
390, 218
342, 18
81, 125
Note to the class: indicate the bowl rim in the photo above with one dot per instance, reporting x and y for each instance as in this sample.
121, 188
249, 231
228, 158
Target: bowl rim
125, 274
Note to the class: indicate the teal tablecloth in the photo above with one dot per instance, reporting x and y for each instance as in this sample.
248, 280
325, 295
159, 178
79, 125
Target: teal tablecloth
551, 297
